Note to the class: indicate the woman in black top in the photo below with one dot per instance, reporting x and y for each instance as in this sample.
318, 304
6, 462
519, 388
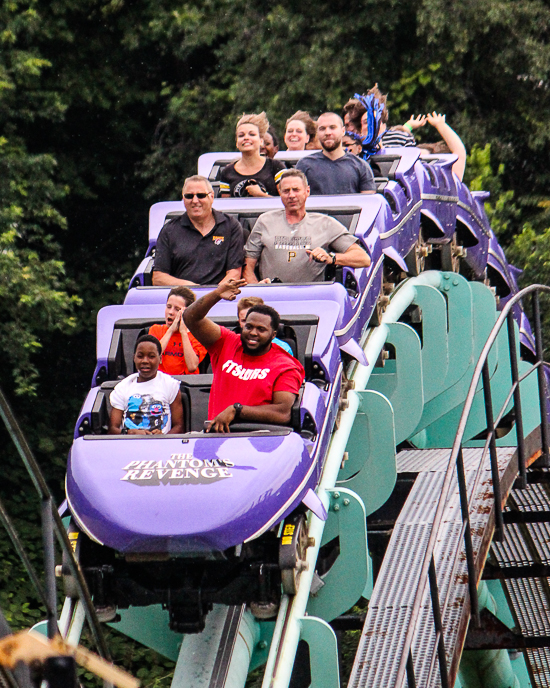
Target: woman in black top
252, 175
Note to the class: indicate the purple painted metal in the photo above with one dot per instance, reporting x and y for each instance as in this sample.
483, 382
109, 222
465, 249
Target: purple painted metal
472, 231
439, 194
402, 194
162, 495
122, 511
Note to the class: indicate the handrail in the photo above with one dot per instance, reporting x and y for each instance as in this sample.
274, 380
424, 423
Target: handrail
427, 571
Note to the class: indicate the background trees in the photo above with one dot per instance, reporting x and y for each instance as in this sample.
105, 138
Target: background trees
106, 105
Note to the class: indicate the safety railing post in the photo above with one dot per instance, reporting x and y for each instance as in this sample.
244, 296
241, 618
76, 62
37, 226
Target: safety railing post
542, 381
470, 563
436, 608
49, 566
499, 523
411, 678
522, 482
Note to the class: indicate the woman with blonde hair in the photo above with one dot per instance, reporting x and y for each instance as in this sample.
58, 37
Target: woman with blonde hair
300, 132
252, 175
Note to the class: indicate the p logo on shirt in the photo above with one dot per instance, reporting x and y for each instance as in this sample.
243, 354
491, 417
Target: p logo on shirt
218, 240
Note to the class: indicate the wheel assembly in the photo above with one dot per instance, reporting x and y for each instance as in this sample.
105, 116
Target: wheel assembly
292, 552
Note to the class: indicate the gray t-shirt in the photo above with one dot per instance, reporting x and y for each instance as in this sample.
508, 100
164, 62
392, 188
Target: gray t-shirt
281, 247
346, 175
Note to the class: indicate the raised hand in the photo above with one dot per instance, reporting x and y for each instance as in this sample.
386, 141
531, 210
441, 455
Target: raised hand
435, 119
229, 290
415, 122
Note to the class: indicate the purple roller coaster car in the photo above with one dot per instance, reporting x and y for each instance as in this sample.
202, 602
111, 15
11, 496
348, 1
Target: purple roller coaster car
118, 503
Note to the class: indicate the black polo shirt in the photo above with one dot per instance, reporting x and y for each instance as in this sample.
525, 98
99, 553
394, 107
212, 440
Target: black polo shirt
183, 252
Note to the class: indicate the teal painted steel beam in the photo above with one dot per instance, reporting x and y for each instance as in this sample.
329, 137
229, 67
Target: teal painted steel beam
370, 470
150, 627
461, 330
441, 415
435, 345
400, 380
323, 652
351, 573
469, 326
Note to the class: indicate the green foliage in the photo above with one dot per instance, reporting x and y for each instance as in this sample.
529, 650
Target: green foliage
501, 210
531, 250
153, 670
33, 296
403, 93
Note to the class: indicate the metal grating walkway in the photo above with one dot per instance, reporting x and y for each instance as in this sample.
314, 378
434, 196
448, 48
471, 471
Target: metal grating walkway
382, 639
528, 544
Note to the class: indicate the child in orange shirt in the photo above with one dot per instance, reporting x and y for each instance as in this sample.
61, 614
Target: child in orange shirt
181, 352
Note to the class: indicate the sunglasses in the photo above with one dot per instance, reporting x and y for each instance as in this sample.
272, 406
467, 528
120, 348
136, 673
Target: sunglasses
190, 196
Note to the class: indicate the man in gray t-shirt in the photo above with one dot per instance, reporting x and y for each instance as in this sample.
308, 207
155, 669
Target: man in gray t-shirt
295, 246
332, 170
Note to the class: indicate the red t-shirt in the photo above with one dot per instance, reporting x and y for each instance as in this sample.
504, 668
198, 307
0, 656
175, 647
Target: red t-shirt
249, 380
173, 360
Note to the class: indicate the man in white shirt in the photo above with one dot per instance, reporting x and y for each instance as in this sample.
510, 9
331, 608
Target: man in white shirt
294, 245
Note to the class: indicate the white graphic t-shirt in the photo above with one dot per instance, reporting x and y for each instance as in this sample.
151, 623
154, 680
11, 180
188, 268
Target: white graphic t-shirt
146, 405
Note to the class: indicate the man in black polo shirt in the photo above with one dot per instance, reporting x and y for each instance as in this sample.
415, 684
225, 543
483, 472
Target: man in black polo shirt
202, 246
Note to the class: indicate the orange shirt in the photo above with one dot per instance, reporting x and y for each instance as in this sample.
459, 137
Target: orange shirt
173, 360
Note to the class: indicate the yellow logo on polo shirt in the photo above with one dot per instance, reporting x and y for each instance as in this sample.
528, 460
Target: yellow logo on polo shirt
218, 240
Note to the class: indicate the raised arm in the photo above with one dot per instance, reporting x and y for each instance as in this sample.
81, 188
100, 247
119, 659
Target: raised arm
205, 330
415, 122
452, 139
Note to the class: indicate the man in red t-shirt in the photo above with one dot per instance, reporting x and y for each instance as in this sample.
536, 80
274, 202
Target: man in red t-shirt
181, 352
254, 379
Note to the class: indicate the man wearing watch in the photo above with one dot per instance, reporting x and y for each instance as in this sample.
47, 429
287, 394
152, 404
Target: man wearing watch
254, 380
294, 245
